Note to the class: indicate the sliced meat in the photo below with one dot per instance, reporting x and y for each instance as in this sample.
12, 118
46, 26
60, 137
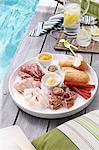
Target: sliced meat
68, 104
64, 87
36, 79
37, 69
23, 75
58, 91
61, 96
36, 83
26, 83
34, 73
19, 87
55, 107
54, 101
73, 95
33, 70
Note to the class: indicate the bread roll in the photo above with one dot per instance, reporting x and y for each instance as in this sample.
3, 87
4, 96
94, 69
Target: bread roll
71, 63
69, 68
76, 76
66, 63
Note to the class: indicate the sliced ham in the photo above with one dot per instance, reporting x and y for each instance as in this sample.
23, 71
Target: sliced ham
33, 70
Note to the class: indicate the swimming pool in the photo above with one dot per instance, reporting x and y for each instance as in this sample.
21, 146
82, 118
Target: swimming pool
15, 16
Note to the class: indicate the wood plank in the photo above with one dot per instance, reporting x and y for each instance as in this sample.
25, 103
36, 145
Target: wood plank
49, 44
8, 111
32, 126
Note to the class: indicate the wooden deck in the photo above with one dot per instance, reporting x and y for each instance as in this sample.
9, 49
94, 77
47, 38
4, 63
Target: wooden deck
10, 114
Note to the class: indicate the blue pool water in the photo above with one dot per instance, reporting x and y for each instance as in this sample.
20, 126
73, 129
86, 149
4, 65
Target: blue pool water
15, 16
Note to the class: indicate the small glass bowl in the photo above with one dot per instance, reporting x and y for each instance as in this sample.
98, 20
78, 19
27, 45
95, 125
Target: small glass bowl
84, 37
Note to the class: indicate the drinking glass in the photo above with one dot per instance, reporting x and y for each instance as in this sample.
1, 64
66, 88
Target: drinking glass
84, 36
72, 14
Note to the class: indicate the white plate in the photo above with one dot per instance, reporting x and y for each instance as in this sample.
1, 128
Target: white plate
80, 102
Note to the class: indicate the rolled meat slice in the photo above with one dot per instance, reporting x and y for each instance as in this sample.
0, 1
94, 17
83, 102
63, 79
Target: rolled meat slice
58, 91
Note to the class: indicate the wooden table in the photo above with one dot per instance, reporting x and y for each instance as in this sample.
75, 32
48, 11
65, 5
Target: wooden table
10, 114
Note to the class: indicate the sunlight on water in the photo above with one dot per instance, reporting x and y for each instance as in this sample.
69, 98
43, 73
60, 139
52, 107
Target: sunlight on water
15, 16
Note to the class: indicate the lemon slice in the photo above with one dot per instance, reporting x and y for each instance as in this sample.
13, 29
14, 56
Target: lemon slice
71, 19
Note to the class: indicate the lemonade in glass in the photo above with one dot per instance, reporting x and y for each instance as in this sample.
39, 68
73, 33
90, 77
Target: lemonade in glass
72, 11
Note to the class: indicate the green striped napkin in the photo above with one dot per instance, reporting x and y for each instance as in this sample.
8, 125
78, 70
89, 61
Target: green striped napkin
81, 133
